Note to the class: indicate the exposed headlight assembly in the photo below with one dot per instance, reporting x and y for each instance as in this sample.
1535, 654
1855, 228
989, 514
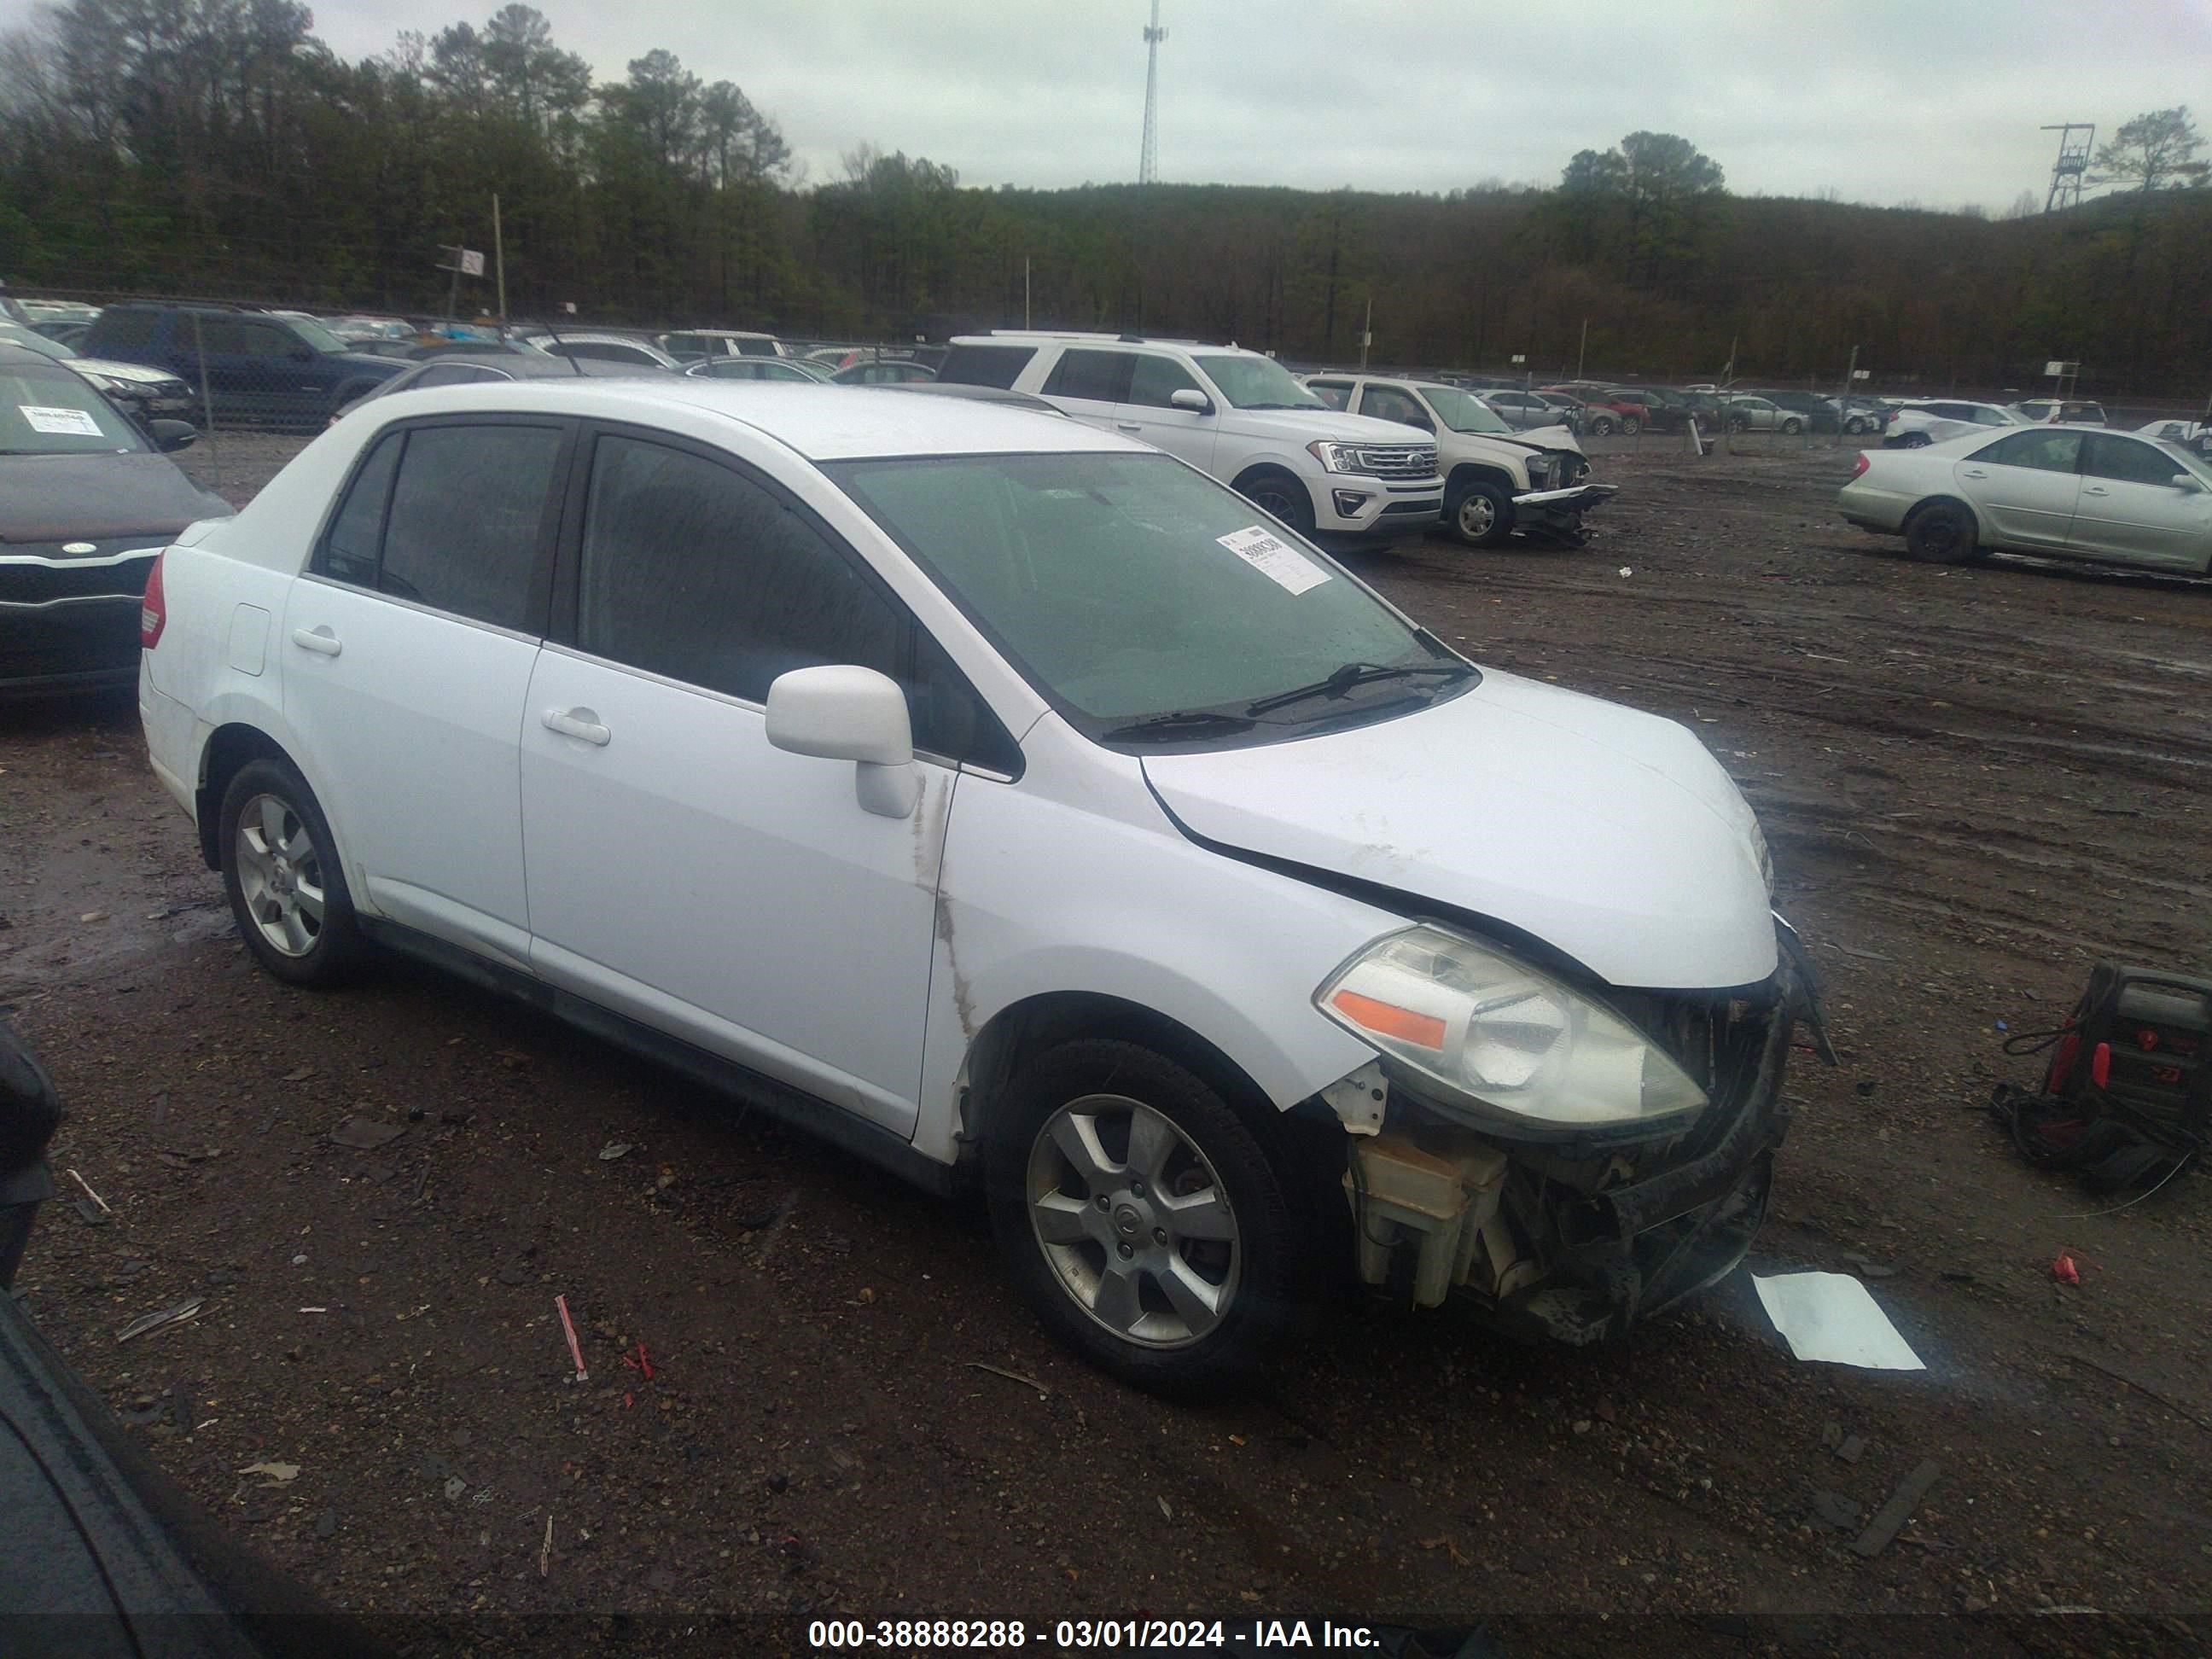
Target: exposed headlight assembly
1504, 1042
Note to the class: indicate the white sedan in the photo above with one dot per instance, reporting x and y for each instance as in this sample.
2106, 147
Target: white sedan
2072, 492
1916, 424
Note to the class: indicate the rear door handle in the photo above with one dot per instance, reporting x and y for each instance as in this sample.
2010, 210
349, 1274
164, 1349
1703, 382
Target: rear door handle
318, 640
1972, 473
1129, 426
2094, 490
577, 723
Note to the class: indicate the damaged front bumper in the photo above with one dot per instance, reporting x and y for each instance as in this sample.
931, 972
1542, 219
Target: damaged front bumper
1559, 511
1577, 1242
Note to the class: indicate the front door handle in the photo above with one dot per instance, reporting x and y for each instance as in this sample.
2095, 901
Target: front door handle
1972, 473
577, 723
1129, 426
2094, 490
320, 640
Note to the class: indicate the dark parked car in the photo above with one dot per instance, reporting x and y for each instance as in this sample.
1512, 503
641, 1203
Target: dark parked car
86, 502
456, 367
260, 367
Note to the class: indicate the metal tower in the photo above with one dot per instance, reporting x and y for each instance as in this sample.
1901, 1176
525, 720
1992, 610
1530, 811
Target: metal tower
2072, 162
1148, 165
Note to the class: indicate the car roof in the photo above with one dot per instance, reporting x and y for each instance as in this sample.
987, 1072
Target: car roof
820, 423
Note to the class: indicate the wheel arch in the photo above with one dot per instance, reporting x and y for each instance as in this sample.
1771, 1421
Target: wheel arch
1467, 472
228, 750
1904, 525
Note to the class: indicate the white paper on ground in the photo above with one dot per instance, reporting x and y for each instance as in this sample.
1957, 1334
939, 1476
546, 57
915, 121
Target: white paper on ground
1274, 558
1831, 1317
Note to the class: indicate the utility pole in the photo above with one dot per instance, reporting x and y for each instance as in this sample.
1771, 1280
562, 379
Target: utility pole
1843, 403
498, 258
1025, 291
1367, 333
1583, 351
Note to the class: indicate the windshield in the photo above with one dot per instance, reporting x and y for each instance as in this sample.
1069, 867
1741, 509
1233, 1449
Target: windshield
316, 335
1257, 383
52, 412
1462, 411
1127, 588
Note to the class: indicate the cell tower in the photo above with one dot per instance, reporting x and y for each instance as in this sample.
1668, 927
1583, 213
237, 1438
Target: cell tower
1148, 165
2072, 162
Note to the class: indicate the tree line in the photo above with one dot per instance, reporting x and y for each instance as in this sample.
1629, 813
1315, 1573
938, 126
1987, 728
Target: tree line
218, 148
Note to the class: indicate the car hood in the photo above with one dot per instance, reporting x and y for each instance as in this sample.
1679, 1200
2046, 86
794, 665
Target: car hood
138, 373
65, 498
1541, 440
1304, 426
1611, 834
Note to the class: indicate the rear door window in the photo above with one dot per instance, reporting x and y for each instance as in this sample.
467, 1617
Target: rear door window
1093, 376
1337, 394
1391, 402
457, 517
125, 329
998, 366
2045, 452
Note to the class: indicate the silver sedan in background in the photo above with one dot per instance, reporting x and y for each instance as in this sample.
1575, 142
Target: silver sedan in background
2060, 491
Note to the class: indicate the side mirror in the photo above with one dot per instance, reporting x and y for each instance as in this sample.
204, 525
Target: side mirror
844, 712
1190, 397
170, 436
2187, 484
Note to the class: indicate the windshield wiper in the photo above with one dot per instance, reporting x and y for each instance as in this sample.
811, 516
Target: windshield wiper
1178, 723
1357, 673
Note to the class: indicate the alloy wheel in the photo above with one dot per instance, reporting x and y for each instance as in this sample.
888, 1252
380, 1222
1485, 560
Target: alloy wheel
280, 872
1134, 1221
1478, 515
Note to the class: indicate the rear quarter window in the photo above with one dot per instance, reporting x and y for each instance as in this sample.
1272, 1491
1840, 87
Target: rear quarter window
998, 366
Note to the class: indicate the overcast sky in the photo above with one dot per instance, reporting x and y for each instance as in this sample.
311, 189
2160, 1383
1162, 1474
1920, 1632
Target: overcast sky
1936, 101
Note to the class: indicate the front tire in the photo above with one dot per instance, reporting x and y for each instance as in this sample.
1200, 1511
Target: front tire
281, 869
1630, 425
1914, 440
1480, 515
1139, 1216
1600, 426
1942, 532
1283, 495
1792, 427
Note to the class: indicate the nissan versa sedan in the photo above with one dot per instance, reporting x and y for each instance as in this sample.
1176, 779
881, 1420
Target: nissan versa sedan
2071, 492
1009, 800
86, 501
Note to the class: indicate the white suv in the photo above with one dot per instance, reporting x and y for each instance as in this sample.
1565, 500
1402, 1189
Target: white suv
1238, 414
999, 797
1496, 480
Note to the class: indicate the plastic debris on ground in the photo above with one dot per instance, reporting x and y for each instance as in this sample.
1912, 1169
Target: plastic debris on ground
1832, 1319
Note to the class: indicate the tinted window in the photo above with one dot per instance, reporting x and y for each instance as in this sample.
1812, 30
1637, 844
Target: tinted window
2125, 461
215, 336
2047, 451
730, 369
349, 549
1337, 394
466, 520
754, 348
694, 571
1155, 381
1390, 402
606, 351
126, 328
263, 341
986, 365
1100, 376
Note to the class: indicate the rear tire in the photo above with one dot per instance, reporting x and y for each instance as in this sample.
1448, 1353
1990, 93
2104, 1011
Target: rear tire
1914, 440
1139, 1218
1281, 494
1630, 425
1480, 515
1941, 532
1792, 427
281, 869
1600, 426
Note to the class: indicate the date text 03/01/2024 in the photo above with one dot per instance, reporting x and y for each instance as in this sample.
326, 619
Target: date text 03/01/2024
1108, 1635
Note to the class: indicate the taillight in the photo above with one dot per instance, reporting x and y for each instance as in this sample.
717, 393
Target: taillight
1860, 465
153, 609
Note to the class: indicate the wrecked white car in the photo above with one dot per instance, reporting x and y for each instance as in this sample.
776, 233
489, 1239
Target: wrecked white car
999, 796
1497, 480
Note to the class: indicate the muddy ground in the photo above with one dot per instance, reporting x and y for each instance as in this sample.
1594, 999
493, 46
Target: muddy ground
1977, 782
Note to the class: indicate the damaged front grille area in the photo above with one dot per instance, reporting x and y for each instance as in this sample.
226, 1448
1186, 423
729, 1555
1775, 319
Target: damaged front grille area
1575, 1240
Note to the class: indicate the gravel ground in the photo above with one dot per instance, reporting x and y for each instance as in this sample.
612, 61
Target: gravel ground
1977, 782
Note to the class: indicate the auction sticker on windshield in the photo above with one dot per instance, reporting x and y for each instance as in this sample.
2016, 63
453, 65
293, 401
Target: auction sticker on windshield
1273, 558
75, 421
